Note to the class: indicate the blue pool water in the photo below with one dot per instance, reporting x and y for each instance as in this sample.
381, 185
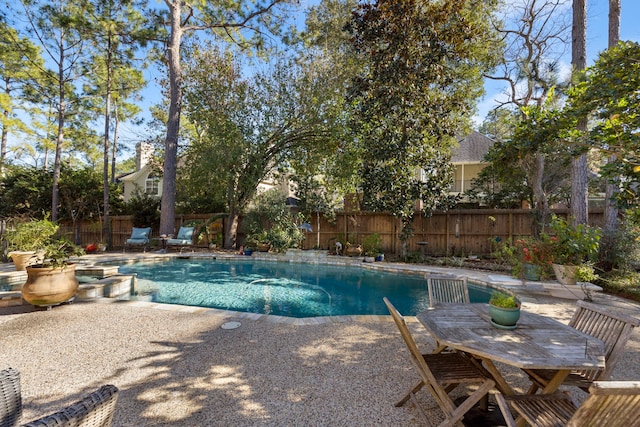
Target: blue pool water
285, 289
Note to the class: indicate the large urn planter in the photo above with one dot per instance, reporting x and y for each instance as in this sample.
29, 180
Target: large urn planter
565, 274
47, 286
354, 250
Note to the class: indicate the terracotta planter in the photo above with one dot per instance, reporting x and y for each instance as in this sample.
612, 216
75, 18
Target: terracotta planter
22, 259
263, 247
46, 286
353, 251
565, 274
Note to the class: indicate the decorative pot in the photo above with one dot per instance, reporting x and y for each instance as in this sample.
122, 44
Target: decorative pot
23, 259
353, 251
532, 271
379, 258
263, 247
47, 286
369, 259
565, 274
248, 252
504, 318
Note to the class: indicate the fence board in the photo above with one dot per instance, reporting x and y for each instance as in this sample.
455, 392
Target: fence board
455, 232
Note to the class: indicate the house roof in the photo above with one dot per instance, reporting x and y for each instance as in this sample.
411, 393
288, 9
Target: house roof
472, 148
133, 176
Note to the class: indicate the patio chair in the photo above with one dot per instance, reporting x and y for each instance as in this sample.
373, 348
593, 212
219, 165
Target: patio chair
10, 397
440, 373
183, 239
139, 237
447, 289
610, 404
95, 410
614, 329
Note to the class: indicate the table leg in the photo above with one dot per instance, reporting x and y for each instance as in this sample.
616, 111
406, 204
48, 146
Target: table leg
501, 383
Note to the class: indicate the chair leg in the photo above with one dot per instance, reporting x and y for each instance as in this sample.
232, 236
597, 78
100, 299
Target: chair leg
506, 412
456, 416
417, 387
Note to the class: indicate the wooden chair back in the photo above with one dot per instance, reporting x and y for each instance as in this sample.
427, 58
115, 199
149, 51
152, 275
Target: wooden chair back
609, 403
416, 356
614, 329
10, 397
446, 289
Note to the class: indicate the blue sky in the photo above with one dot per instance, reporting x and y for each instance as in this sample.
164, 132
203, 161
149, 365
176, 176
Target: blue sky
597, 39
597, 30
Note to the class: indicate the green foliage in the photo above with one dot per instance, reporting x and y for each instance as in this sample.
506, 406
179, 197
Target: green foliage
624, 254
145, 209
609, 93
372, 244
573, 244
29, 234
504, 300
423, 73
270, 221
58, 251
25, 191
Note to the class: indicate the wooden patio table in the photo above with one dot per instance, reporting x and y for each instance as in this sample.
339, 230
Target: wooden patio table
538, 342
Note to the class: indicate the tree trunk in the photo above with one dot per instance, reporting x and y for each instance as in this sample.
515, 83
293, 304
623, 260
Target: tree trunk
579, 191
106, 229
231, 229
541, 204
5, 132
55, 196
167, 205
610, 209
114, 150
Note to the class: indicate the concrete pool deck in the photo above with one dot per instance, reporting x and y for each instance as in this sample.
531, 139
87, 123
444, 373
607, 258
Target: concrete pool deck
176, 366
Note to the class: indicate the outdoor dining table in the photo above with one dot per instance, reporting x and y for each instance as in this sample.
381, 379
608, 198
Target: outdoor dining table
538, 342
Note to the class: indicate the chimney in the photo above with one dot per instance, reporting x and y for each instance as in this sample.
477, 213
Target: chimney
144, 152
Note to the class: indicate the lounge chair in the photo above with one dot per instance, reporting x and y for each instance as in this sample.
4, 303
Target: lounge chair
139, 237
183, 239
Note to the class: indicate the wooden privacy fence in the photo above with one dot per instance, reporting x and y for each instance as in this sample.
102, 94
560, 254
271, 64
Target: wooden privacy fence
456, 232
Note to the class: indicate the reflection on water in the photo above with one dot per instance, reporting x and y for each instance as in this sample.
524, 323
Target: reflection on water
286, 289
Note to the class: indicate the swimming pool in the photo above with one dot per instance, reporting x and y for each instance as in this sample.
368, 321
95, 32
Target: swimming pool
281, 288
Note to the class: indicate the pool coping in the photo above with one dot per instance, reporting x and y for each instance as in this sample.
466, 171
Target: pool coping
526, 290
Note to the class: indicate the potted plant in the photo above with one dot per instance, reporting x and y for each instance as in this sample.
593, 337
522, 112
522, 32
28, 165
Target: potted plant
26, 239
371, 246
573, 246
504, 309
532, 256
53, 281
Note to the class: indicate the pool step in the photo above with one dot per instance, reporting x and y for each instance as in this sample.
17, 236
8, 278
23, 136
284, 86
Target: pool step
109, 287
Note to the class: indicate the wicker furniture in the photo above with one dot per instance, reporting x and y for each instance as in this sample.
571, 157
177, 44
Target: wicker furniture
613, 329
440, 373
539, 342
610, 404
447, 289
95, 410
10, 397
